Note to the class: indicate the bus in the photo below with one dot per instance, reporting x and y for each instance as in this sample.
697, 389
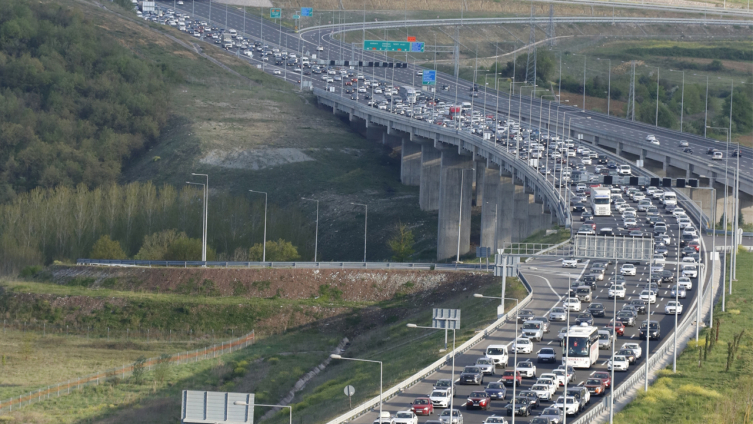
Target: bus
582, 347
601, 200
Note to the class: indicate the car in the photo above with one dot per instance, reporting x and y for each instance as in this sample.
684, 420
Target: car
523, 345
276, 72
572, 406
451, 417
471, 375
552, 385
496, 390
525, 315
422, 406
685, 283
494, 419
562, 334
486, 365
717, 156
620, 363
478, 399
684, 143
522, 407
635, 347
553, 414
440, 398
569, 263
627, 318
627, 353
405, 417
558, 314
639, 305
498, 354
532, 397
443, 384
527, 369
605, 339
320, 48
572, 304
628, 269
648, 295
673, 307
690, 271
584, 318
678, 292
558, 378
617, 290
533, 330
580, 393
542, 391
596, 309
507, 378
653, 333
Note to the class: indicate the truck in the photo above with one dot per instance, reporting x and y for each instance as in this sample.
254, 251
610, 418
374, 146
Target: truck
601, 199
408, 94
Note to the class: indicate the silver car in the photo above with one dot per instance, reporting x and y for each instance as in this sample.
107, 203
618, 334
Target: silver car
486, 365
682, 292
558, 314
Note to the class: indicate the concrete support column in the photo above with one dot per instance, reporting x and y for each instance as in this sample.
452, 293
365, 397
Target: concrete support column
431, 164
410, 163
619, 149
506, 210
520, 220
746, 207
453, 199
643, 155
665, 165
688, 172
490, 208
478, 184
535, 215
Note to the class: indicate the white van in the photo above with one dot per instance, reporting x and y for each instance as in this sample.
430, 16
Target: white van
465, 106
498, 354
233, 33
669, 198
624, 170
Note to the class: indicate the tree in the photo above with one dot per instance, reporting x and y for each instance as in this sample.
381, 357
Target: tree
105, 248
187, 249
162, 368
401, 243
156, 245
277, 251
138, 369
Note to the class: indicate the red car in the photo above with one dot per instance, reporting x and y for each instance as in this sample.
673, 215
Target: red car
619, 327
479, 400
603, 375
596, 386
507, 377
422, 406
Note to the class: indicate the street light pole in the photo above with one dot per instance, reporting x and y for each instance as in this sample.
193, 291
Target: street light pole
453, 365
365, 222
264, 244
336, 356
316, 236
682, 97
203, 223
609, 83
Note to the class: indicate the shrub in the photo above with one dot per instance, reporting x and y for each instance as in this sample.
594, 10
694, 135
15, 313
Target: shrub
105, 248
277, 251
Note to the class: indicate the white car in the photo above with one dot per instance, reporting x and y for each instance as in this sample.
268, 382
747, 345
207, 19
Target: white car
685, 283
717, 156
648, 295
405, 417
559, 380
558, 314
572, 303
320, 49
656, 268
650, 137
498, 354
542, 391
276, 72
673, 307
523, 345
689, 271
495, 420
621, 363
629, 222
440, 398
635, 347
628, 269
572, 405
551, 384
486, 365
569, 263
586, 161
659, 259
457, 417
527, 369
617, 290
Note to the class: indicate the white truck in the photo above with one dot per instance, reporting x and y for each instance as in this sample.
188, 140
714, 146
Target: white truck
601, 199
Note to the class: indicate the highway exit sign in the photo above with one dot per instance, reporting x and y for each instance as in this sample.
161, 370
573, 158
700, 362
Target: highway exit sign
275, 13
386, 46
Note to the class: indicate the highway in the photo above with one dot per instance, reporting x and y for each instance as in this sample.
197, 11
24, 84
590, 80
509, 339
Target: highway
549, 280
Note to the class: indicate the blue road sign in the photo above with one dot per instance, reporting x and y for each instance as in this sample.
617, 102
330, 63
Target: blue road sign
307, 11
429, 78
417, 47
275, 13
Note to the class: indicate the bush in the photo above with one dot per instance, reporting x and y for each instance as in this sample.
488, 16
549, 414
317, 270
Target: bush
30, 271
162, 368
104, 248
187, 249
138, 369
156, 245
277, 251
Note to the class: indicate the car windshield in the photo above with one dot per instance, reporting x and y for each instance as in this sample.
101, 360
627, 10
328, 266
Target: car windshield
524, 365
593, 381
495, 420
578, 347
477, 394
547, 351
495, 351
539, 387
604, 336
551, 411
472, 369
438, 393
507, 374
404, 415
443, 383
446, 413
653, 325
531, 326
483, 362
495, 386
420, 402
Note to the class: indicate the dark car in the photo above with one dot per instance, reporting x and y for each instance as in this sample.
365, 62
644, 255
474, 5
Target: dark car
541, 420
472, 375
533, 398
590, 280
522, 407
627, 318
525, 315
596, 309
736, 153
628, 353
687, 150
584, 317
603, 159
496, 390
478, 399
639, 305
654, 332
667, 276
579, 207
612, 165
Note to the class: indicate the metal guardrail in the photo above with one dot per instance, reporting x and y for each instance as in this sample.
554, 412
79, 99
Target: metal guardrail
416, 378
555, 199
64, 388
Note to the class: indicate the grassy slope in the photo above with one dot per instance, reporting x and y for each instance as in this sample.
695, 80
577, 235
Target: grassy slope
707, 393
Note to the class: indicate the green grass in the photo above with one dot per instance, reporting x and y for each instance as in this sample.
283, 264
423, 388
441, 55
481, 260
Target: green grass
708, 393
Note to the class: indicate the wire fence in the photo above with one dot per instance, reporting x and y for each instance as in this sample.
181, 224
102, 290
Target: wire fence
66, 387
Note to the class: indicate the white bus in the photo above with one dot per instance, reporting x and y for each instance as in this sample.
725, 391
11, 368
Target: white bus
601, 199
582, 347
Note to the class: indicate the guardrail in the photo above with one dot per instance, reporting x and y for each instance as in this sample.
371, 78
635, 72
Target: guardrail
555, 199
64, 388
435, 366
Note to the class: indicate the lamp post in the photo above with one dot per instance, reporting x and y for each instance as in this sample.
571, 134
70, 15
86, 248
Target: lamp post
204, 218
239, 403
453, 366
726, 194
206, 213
614, 335
585, 58
515, 353
365, 222
264, 243
381, 367
316, 236
609, 83
682, 97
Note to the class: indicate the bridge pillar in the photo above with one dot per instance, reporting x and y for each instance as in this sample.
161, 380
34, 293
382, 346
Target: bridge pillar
490, 207
431, 162
746, 207
520, 210
619, 149
452, 200
410, 163
535, 215
665, 165
688, 171
478, 183
506, 209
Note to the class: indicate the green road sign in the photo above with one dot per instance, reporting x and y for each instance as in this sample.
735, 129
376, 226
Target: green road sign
275, 13
296, 17
386, 46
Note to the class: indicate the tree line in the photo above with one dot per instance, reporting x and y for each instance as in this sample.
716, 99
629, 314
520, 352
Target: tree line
146, 222
74, 103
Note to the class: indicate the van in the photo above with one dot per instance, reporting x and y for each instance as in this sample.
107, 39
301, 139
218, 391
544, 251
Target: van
498, 354
465, 106
534, 330
669, 198
624, 170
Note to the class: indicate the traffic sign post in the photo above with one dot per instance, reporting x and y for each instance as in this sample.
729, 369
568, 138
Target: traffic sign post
349, 392
307, 11
429, 78
417, 47
386, 46
275, 13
